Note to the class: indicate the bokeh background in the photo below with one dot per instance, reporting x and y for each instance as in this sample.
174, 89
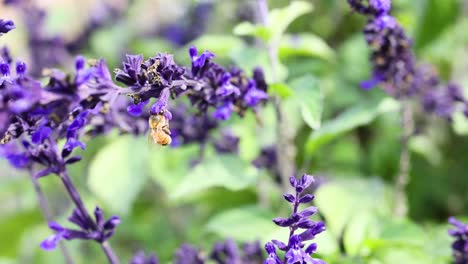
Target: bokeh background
164, 201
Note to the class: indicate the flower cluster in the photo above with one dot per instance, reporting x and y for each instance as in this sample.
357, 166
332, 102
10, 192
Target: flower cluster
70, 107
460, 245
98, 230
206, 84
226, 252
48, 50
395, 65
294, 248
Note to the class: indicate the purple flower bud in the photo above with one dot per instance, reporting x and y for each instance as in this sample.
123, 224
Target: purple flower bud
137, 109
223, 112
306, 198
5, 69
80, 63
283, 221
161, 104
20, 68
112, 223
98, 215
308, 211
289, 197
6, 26
41, 134
19, 161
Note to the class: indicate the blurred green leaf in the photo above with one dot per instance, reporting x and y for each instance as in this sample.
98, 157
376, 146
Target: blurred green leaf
226, 171
403, 255
357, 231
340, 201
460, 124
398, 233
249, 29
308, 94
171, 161
218, 44
305, 44
280, 89
279, 19
117, 173
150, 47
243, 224
12, 229
434, 16
426, 147
248, 58
358, 115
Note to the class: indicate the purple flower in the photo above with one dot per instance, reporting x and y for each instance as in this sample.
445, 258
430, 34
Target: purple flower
395, 66
228, 143
89, 229
140, 258
294, 249
460, 245
199, 62
253, 96
188, 254
6, 26
223, 112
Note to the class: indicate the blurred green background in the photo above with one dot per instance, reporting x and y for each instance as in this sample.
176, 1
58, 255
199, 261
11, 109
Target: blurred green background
347, 137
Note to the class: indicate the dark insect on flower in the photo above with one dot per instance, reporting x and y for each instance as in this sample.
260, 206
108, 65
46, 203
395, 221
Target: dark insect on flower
98, 230
159, 129
299, 219
460, 245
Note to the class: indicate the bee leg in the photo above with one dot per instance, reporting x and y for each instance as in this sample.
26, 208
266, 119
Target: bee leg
166, 129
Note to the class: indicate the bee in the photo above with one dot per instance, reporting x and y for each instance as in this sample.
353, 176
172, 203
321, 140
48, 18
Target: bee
152, 74
159, 129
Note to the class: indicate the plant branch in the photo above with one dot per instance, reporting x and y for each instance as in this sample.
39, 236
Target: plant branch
285, 149
407, 124
75, 196
46, 212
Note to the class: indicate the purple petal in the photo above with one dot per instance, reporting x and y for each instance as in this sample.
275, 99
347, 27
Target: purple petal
41, 134
51, 242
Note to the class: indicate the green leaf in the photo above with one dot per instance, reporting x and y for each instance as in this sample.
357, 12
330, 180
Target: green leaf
446, 14
13, 227
427, 148
280, 89
305, 44
150, 47
226, 171
171, 161
398, 233
117, 173
340, 201
249, 29
309, 96
403, 255
460, 124
249, 58
357, 231
279, 19
359, 115
218, 44
243, 224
